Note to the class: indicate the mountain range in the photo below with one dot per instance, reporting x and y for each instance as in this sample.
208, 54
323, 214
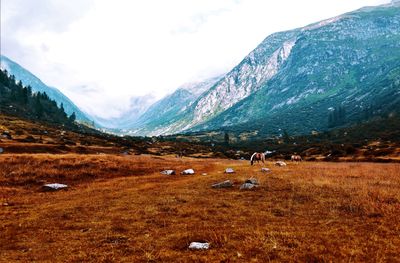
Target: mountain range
294, 80
327, 74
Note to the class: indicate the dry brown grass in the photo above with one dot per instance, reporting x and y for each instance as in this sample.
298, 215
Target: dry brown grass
120, 209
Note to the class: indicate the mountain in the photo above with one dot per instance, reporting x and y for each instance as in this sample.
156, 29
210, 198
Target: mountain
37, 85
351, 61
159, 117
300, 79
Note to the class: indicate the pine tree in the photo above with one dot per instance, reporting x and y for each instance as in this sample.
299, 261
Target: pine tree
226, 138
286, 137
72, 118
38, 106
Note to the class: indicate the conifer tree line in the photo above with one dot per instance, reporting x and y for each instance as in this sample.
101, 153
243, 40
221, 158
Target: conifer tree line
337, 117
19, 100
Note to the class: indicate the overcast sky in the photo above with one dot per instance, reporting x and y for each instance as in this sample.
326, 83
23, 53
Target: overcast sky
102, 52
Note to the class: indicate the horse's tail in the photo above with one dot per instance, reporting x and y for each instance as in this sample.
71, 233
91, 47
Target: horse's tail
252, 158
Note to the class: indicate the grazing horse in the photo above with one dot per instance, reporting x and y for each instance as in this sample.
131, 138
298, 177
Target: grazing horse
257, 157
296, 158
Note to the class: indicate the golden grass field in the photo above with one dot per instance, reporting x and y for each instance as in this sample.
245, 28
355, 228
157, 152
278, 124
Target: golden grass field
121, 209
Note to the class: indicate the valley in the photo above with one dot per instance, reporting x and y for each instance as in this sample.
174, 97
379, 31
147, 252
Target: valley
121, 209
147, 169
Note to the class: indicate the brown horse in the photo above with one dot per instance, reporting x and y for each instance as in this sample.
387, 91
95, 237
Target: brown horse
296, 158
257, 157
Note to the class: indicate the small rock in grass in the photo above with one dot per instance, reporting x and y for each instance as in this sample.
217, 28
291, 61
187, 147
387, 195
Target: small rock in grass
251, 181
229, 171
54, 187
280, 163
187, 172
1, 150
265, 170
247, 186
204, 174
199, 246
225, 184
168, 172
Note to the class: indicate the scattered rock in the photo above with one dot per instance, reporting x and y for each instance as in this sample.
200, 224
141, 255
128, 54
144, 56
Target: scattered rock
168, 172
225, 184
251, 181
54, 187
204, 174
1, 150
247, 186
229, 171
187, 172
6, 135
29, 138
199, 246
280, 163
266, 170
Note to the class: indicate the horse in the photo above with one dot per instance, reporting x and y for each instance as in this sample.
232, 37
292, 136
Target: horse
257, 157
296, 158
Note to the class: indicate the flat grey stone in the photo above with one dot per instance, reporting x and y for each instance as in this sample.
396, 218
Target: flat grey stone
266, 170
54, 187
247, 186
225, 184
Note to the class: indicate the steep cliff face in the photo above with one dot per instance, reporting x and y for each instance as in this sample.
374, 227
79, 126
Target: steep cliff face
258, 67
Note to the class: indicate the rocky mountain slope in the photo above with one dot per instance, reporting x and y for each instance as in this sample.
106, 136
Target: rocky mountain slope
295, 80
351, 61
162, 115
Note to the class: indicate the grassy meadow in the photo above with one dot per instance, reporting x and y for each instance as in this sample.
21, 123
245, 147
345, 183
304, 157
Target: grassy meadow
119, 208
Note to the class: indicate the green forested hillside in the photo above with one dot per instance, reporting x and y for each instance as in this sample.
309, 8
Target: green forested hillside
19, 100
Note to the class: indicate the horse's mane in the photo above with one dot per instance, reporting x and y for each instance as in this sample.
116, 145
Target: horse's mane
251, 159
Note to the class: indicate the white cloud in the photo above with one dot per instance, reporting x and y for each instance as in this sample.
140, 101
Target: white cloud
126, 48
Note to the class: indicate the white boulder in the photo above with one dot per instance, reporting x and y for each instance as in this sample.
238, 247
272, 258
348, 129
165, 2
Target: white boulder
229, 171
280, 163
199, 246
187, 172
